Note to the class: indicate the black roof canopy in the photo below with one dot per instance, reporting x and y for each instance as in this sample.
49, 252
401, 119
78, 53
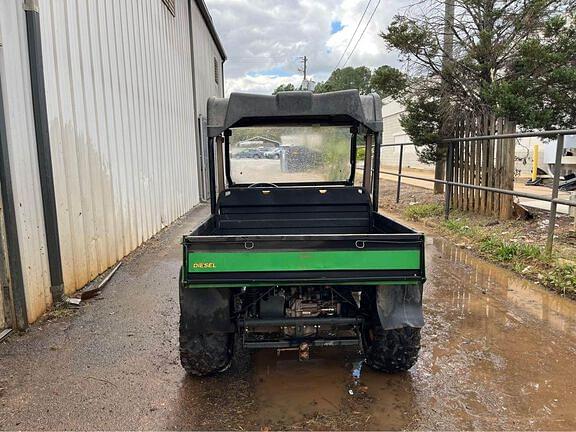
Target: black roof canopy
346, 108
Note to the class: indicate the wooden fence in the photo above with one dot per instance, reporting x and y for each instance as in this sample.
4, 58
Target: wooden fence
484, 163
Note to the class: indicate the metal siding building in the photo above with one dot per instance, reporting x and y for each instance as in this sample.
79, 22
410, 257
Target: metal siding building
125, 82
15, 82
395, 134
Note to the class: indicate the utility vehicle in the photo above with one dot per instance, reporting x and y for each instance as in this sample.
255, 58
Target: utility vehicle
299, 258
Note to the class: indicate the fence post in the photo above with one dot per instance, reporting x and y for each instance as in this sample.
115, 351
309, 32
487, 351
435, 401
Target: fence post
399, 174
555, 185
507, 201
449, 177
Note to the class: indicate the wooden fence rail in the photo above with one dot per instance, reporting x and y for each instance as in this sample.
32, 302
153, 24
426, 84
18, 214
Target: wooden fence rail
484, 163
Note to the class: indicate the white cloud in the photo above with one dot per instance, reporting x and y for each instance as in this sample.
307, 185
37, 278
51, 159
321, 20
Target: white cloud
265, 38
260, 83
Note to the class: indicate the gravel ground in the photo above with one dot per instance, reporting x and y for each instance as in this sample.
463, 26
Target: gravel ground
497, 354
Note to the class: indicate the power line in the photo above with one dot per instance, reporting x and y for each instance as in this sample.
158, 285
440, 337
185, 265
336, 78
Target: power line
355, 31
363, 31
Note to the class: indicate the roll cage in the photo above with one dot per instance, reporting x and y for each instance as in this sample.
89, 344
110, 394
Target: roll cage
363, 114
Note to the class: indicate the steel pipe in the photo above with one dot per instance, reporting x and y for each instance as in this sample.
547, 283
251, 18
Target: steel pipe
400, 174
546, 134
486, 188
533, 134
293, 322
449, 178
296, 343
555, 186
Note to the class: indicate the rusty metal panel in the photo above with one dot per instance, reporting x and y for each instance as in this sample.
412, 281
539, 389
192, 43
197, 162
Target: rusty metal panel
17, 98
120, 107
5, 305
4, 278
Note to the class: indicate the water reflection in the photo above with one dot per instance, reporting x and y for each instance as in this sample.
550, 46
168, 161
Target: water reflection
503, 292
496, 354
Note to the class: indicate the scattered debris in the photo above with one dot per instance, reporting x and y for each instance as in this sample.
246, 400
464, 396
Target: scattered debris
72, 301
4, 334
88, 294
101, 380
521, 212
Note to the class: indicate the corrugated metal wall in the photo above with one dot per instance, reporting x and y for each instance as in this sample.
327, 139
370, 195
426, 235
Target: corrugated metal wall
120, 106
119, 93
17, 98
205, 51
205, 54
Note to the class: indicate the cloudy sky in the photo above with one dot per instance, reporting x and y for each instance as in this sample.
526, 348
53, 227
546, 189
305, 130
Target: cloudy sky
265, 38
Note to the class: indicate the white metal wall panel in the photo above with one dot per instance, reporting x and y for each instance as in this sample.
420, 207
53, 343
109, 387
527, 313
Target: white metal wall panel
120, 107
205, 51
17, 98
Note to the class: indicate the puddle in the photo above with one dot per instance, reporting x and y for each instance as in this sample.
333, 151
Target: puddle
499, 288
288, 388
497, 353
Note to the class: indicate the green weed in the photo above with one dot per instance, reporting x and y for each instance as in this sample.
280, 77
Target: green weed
421, 211
563, 279
458, 226
500, 250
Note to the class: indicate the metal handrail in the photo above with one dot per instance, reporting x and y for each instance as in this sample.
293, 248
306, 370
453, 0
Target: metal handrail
554, 200
531, 134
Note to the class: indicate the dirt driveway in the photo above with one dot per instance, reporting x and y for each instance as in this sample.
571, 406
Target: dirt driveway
498, 353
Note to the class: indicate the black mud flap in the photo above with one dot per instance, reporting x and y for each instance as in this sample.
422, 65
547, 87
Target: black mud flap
400, 306
206, 310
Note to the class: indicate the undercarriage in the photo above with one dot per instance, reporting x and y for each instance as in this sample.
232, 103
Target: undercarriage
292, 317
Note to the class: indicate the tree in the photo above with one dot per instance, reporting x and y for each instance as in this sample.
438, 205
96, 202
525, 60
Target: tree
388, 81
491, 40
284, 88
540, 87
347, 78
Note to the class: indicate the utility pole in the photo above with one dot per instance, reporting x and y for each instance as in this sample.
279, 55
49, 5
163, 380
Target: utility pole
304, 69
448, 52
448, 33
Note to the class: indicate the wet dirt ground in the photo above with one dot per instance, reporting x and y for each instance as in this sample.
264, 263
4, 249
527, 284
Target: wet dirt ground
498, 353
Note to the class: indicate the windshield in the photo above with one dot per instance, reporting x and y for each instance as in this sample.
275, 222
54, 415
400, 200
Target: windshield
290, 154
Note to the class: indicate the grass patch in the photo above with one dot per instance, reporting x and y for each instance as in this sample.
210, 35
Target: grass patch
530, 260
458, 226
502, 251
563, 279
421, 211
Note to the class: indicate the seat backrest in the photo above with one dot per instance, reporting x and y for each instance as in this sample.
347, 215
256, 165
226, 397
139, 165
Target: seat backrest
294, 210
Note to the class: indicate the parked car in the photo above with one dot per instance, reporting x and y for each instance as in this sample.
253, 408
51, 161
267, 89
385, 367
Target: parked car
274, 153
250, 154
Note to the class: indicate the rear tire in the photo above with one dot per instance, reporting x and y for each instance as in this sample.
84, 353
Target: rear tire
209, 352
206, 354
390, 351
